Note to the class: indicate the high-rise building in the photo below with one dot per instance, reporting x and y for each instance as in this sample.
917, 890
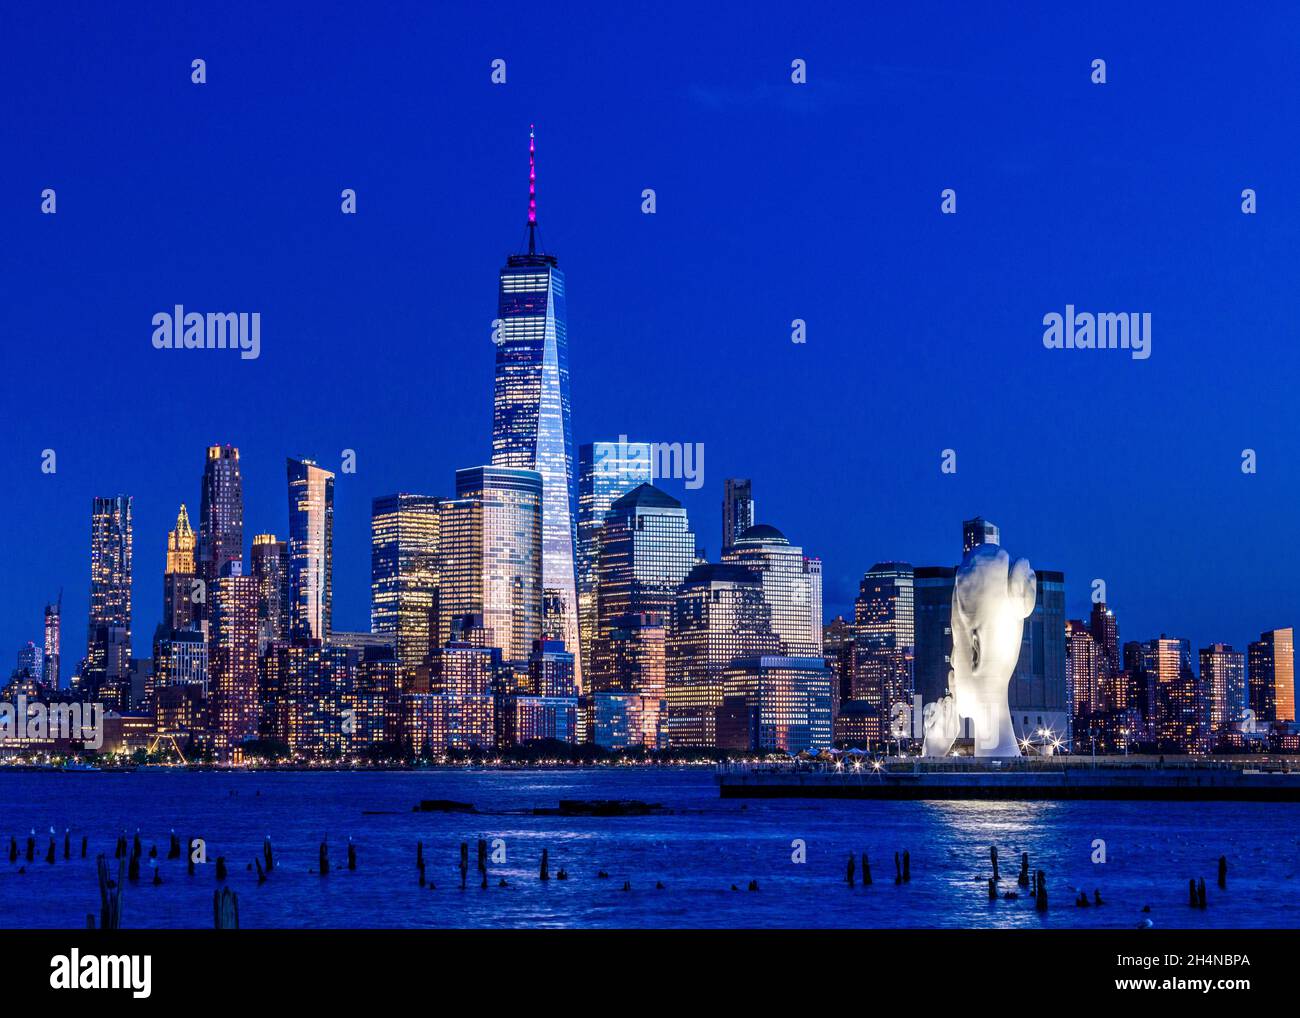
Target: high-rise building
221, 513
1083, 670
775, 703
1105, 630
792, 586
884, 643
978, 531
1174, 710
310, 549
629, 708
270, 561
646, 549
1036, 694
531, 427
606, 472
932, 600
30, 661
490, 557
106, 674
719, 616
1271, 676
234, 639
53, 643
404, 575
737, 509
1223, 677
179, 574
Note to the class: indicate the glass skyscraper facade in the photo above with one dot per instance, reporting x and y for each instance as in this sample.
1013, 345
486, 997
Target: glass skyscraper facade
884, 639
647, 549
606, 472
310, 549
108, 650
531, 427
792, 586
719, 616
1271, 676
221, 513
1223, 677
490, 558
737, 509
404, 575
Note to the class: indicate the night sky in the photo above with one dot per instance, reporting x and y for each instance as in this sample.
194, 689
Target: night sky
776, 201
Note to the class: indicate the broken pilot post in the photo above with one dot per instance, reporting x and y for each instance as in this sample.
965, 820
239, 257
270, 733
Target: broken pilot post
993, 889
67, 843
110, 895
482, 863
267, 855
13, 849
1040, 898
352, 855
1200, 893
31, 845
1191, 893
866, 870
221, 867
261, 873
464, 862
907, 866
545, 873
49, 852
993, 855
1023, 879
325, 858
419, 860
848, 876
1223, 872
84, 839
898, 869
173, 846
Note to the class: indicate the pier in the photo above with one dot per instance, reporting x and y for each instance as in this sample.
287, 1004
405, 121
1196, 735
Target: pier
1028, 778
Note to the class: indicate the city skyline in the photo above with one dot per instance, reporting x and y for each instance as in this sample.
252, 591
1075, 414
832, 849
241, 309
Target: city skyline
409, 441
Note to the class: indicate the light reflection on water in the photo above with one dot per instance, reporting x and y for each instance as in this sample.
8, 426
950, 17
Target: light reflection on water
699, 850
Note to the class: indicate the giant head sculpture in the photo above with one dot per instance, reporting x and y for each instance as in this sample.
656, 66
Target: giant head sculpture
990, 601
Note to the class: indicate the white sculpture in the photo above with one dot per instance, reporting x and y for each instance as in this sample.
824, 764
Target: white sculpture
991, 599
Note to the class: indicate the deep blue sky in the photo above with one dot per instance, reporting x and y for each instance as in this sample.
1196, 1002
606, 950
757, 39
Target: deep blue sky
776, 202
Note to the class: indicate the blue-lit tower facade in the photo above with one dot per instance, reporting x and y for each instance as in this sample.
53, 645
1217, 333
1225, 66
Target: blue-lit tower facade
531, 427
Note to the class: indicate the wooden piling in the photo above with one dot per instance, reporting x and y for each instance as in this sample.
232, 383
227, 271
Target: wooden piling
848, 877
1040, 882
352, 855
993, 854
324, 859
1223, 872
1023, 879
110, 896
545, 872
866, 870
221, 867
464, 862
1200, 893
907, 866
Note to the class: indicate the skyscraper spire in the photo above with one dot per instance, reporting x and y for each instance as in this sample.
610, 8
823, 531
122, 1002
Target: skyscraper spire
532, 190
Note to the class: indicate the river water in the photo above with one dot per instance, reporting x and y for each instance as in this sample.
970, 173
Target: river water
698, 849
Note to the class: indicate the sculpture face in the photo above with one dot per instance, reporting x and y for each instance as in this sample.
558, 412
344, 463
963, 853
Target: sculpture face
990, 601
